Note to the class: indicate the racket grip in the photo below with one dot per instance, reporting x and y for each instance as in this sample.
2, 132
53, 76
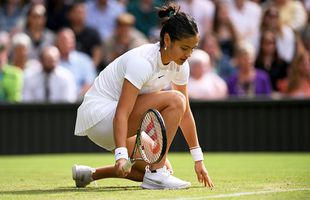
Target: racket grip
128, 165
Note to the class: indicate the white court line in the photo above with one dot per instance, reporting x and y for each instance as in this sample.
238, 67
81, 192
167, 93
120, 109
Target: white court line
218, 196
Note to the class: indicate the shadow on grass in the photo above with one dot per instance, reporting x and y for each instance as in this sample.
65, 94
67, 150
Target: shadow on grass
77, 190
70, 190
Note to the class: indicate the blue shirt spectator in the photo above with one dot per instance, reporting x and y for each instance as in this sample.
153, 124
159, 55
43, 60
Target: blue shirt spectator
220, 62
11, 14
80, 64
102, 14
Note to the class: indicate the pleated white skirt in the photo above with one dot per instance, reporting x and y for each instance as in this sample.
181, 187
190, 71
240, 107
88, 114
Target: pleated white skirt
93, 109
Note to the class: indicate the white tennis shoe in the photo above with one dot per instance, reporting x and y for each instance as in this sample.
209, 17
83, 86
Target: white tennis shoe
162, 179
82, 175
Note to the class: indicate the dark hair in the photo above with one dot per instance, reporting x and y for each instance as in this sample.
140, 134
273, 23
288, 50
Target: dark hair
31, 9
177, 24
276, 56
74, 4
227, 46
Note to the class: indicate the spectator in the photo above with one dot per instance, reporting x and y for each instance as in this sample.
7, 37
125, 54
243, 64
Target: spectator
298, 85
145, 14
245, 16
87, 38
292, 13
248, 81
57, 14
102, 14
124, 38
20, 48
268, 59
202, 11
11, 77
220, 62
52, 83
203, 82
305, 36
11, 13
79, 63
286, 40
224, 30
37, 31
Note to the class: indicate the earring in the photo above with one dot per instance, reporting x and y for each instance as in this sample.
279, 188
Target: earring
165, 48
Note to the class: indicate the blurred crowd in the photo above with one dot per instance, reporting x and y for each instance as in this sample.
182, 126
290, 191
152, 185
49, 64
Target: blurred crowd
52, 50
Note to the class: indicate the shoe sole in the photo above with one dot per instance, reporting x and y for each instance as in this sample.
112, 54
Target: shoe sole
152, 186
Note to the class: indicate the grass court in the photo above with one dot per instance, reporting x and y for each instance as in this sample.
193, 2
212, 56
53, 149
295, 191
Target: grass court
235, 175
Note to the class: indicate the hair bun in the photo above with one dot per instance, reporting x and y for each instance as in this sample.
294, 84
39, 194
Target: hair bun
171, 13
168, 11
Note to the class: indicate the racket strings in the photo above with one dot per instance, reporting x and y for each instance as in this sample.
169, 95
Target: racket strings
151, 138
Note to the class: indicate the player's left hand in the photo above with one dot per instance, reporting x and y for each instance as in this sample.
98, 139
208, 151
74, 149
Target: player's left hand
119, 168
202, 174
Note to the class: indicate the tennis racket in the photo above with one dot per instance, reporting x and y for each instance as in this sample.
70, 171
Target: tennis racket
151, 140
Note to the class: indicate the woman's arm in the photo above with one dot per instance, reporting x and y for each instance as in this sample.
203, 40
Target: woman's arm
188, 125
124, 107
189, 131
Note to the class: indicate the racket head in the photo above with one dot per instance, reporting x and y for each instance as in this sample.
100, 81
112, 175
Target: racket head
152, 138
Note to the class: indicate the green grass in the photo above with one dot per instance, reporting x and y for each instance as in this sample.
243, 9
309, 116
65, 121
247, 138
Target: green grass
49, 177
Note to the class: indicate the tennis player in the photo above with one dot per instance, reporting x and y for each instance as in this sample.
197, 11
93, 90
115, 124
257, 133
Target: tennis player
112, 109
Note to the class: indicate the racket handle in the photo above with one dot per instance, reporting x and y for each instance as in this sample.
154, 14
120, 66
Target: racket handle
128, 165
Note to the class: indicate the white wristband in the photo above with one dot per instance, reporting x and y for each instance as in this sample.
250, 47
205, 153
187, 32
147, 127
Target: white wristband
197, 154
121, 152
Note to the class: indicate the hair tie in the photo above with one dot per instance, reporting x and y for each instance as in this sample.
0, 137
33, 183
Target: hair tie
171, 13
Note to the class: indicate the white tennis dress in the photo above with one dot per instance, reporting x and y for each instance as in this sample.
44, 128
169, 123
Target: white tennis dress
142, 66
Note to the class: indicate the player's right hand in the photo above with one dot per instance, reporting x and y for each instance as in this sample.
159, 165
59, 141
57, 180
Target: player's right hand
119, 165
202, 174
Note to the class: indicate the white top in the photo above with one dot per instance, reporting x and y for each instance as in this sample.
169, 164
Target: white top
209, 87
143, 67
286, 44
82, 68
246, 20
103, 19
61, 85
201, 10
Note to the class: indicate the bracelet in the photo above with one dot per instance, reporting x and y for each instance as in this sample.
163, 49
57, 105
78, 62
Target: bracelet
121, 152
197, 154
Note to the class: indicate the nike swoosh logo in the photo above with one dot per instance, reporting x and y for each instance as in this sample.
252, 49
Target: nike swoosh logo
153, 181
161, 76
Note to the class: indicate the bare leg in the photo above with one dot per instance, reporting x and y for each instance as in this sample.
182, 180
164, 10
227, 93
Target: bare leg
109, 172
137, 171
171, 104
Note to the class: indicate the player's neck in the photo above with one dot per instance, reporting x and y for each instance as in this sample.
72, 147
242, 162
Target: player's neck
164, 56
